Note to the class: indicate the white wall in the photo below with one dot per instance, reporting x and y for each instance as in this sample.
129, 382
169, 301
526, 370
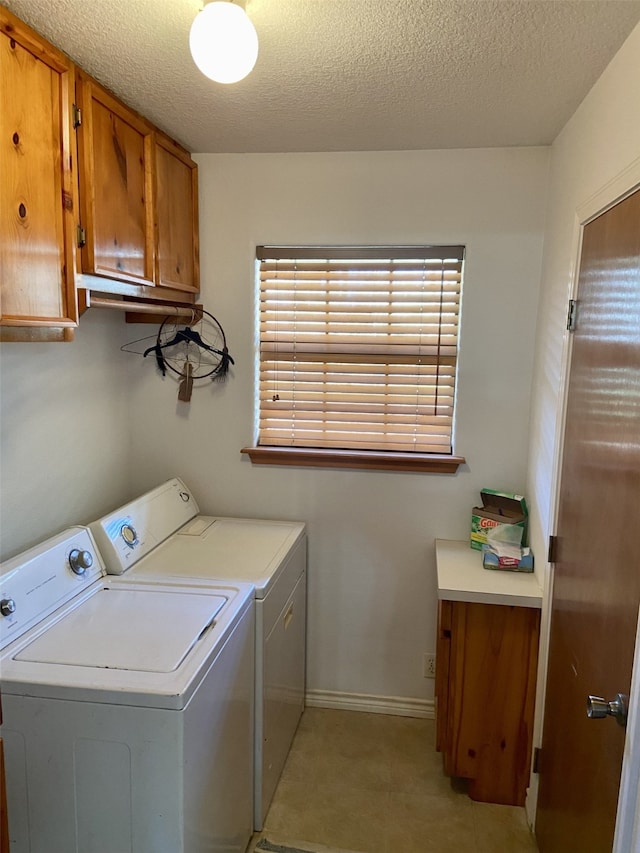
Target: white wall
85, 427
65, 431
372, 603
599, 143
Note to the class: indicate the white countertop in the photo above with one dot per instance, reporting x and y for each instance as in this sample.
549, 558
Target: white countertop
462, 577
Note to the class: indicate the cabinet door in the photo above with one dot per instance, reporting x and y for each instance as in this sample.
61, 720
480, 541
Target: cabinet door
492, 681
37, 192
176, 201
115, 152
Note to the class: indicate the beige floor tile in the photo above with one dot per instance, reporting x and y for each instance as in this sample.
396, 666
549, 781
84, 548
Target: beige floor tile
352, 818
288, 813
416, 767
369, 773
429, 824
373, 783
311, 846
323, 722
300, 764
420, 775
338, 816
502, 828
409, 737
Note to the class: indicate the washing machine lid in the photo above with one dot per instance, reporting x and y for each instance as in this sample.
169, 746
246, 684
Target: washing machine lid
147, 631
239, 549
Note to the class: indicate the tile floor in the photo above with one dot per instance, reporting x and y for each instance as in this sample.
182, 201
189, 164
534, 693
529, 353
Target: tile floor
374, 784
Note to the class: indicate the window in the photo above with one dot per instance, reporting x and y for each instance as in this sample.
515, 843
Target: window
358, 351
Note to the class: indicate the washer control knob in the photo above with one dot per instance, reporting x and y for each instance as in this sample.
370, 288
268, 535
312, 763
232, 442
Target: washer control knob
128, 533
80, 561
7, 606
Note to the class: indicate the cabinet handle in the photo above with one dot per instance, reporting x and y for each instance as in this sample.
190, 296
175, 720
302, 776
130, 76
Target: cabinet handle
288, 616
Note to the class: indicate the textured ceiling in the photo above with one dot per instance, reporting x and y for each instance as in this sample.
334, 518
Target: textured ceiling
336, 75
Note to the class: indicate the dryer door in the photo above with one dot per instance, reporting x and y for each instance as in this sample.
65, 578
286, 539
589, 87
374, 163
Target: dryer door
283, 697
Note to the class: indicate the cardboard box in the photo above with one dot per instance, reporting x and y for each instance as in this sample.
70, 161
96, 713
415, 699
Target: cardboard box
501, 518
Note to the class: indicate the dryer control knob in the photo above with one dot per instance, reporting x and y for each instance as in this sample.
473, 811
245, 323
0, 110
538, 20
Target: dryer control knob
128, 533
7, 606
80, 561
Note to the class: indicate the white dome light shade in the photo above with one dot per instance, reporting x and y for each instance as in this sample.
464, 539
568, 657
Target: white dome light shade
223, 42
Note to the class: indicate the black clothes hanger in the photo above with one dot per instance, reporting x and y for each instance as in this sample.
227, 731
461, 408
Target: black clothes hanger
188, 335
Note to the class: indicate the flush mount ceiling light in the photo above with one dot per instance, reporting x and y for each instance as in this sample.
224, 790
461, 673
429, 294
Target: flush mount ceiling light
223, 41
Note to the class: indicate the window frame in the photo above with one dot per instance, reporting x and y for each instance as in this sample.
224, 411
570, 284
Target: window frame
369, 459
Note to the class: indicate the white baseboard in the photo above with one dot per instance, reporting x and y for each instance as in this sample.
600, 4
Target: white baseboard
399, 706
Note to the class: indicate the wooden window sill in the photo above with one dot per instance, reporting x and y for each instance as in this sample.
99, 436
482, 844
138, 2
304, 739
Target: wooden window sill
372, 460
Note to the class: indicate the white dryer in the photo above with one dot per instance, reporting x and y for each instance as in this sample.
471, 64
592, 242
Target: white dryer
160, 535
127, 709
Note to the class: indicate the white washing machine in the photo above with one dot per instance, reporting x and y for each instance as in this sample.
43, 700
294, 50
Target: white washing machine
160, 535
127, 709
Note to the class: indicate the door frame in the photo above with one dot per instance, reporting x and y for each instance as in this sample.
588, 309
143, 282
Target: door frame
627, 835
628, 815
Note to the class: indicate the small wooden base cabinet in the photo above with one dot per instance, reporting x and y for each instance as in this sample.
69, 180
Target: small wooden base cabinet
486, 663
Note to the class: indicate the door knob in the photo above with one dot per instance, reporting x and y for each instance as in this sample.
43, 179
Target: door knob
597, 707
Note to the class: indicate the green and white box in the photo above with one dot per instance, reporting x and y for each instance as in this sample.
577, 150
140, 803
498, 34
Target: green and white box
501, 518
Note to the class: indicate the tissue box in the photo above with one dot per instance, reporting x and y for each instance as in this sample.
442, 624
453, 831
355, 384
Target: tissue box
501, 518
519, 561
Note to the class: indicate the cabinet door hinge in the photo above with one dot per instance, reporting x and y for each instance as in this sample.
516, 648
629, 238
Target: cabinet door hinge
82, 237
571, 315
552, 553
77, 116
536, 759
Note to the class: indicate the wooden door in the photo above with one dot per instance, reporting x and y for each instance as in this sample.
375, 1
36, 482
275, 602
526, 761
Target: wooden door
37, 184
597, 580
176, 198
115, 152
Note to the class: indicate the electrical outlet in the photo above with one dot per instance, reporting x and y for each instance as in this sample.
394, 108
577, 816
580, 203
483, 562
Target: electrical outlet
429, 666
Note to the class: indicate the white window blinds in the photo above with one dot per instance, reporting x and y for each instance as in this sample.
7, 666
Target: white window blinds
358, 347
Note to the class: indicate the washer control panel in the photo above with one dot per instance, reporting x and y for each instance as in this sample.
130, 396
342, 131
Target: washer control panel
35, 583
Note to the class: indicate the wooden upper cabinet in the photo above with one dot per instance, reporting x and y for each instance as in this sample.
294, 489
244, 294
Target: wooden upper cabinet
92, 195
176, 197
38, 197
116, 188
138, 198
